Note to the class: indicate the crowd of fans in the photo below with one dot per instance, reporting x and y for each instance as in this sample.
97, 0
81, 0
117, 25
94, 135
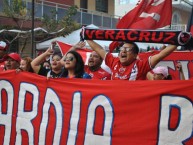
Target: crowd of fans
127, 66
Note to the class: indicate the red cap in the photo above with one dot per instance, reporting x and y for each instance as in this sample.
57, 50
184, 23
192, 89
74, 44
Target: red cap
3, 45
14, 56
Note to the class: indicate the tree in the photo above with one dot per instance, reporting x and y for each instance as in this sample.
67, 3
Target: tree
64, 26
17, 11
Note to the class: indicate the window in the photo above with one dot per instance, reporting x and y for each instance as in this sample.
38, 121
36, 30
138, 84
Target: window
122, 2
134, 1
1, 6
176, 19
102, 5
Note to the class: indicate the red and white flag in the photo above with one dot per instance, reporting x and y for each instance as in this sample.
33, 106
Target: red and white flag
64, 48
148, 14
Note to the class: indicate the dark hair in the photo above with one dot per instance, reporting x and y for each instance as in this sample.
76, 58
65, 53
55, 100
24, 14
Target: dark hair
58, 54
79, 67
135, 47
46, 61
101, 59
169, 77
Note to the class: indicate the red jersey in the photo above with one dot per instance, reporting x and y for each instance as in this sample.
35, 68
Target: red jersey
135, 71
98, 74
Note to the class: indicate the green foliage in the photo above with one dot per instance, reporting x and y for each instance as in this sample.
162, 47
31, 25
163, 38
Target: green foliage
50, 22
67, 24
67, 20
15, 9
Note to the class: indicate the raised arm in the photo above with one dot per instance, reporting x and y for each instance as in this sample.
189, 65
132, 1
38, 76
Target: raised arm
179, 68
79, 45
165, 52
97, 48
36, 63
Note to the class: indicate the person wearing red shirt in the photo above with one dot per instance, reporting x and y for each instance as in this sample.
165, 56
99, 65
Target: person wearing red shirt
94, 67
3, 53
127, 66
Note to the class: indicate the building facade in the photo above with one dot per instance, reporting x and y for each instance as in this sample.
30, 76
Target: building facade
103, 13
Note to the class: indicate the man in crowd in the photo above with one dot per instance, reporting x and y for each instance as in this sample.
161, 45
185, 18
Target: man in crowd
3, 53
94, 64
127, 66
94, 67
12, 61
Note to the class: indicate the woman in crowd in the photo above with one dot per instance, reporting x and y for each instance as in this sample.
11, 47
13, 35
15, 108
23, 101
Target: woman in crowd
25, 64
161, 73
56, 70
74, 66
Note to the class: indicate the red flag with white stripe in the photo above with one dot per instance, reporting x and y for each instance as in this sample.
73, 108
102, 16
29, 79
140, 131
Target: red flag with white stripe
148, 14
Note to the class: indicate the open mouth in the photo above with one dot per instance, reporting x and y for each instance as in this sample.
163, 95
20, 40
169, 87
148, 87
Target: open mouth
91, 62
123, 56
54, 64
8, 66
67, 63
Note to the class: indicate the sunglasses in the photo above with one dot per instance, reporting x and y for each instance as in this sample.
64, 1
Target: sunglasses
127, 49
69, 58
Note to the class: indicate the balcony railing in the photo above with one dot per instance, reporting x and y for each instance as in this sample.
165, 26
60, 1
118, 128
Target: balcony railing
83, 16
179, 27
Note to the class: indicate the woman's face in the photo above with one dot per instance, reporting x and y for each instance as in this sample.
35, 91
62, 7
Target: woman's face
23, 65
70, 61
55, 63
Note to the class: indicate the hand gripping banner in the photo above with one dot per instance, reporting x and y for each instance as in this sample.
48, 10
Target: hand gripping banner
133, 35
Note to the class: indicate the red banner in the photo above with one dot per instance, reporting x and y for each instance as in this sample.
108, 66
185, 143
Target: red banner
37, 110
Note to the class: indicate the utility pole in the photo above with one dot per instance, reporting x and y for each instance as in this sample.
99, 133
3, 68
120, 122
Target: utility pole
188, 2
32, 32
